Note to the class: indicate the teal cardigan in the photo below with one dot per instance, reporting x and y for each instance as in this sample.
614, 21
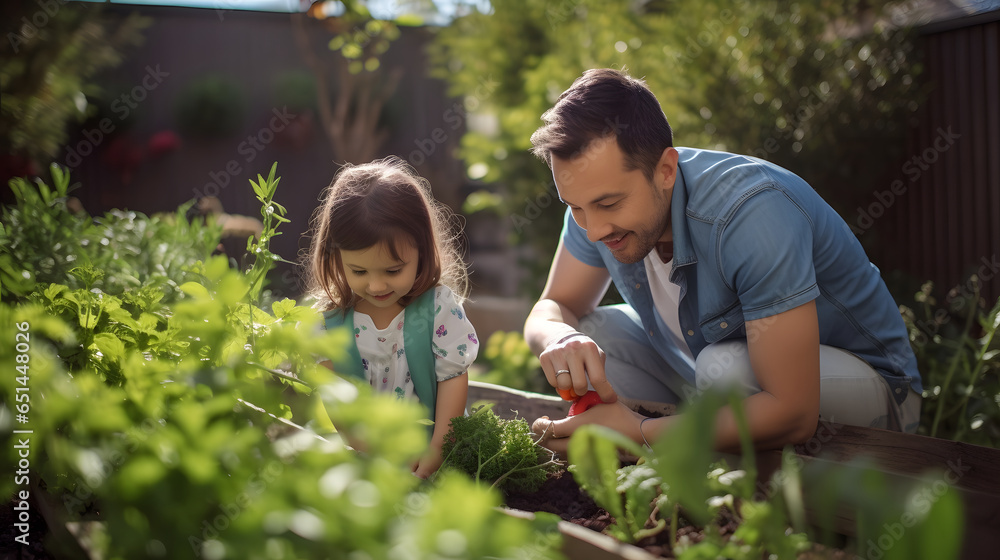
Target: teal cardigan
418, 332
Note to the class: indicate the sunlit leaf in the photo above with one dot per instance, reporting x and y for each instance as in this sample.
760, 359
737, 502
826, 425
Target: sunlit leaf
282, 308
140, 473
684, 472
941, 533
594, 455
195, 290
109, 345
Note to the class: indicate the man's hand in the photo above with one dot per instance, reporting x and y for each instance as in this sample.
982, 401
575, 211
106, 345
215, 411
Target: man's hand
573, 364
555, 434
571, 360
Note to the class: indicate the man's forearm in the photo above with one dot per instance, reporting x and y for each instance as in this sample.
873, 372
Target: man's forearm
548, 322
772, 426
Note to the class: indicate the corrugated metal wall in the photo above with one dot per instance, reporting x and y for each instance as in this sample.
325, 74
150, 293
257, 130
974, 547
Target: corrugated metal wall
946, 220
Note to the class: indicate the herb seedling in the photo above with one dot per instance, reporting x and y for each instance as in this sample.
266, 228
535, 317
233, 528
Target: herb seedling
497, 451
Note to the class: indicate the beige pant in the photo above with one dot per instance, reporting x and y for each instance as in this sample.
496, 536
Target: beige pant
851, 391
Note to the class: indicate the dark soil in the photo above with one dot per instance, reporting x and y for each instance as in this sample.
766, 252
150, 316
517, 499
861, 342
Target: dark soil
561, 495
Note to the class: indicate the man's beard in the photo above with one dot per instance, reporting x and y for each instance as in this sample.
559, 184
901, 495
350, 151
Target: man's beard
641, 242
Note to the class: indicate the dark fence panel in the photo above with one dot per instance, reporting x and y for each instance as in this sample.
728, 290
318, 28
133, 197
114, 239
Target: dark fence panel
946, 224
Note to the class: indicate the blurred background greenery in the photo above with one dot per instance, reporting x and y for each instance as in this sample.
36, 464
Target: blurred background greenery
163, 410
839, 92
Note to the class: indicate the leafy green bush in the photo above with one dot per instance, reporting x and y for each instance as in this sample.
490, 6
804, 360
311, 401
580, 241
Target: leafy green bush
49, 73
41, 241
134, 249
497, 451
39, 230
958, 354
166, 423
804, 85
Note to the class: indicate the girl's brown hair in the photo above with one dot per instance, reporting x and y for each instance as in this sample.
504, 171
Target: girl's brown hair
384, 201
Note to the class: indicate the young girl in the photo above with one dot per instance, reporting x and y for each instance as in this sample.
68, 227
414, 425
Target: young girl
383, 263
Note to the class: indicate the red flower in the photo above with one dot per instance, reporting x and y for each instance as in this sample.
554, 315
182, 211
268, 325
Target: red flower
163, 142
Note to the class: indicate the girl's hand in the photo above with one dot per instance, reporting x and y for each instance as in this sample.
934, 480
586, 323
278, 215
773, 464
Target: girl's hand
429, 463
452, 395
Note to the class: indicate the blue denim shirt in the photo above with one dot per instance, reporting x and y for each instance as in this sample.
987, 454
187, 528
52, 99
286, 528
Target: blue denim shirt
752, 240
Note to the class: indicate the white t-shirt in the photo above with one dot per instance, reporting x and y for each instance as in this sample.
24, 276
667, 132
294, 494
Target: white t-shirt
383, 357
666, 297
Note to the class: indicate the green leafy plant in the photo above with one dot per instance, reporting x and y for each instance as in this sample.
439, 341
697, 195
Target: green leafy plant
668, 489
919, 519
677, 477
497, 451
958, 355
131, 249
38, 229
627, 493
159, 250
158, 426
273, 215
105, 325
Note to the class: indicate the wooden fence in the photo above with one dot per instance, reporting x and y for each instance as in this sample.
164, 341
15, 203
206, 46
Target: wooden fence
942, 222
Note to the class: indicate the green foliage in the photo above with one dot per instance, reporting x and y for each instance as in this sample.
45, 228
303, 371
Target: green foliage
895, 520
105, 323
626, 493
476, 528
364, 42
273, 215
497, 451
47, 71
129, 249
669, 488
802, 85
958, 355
511, 363
134, 249
38, 230
165, 421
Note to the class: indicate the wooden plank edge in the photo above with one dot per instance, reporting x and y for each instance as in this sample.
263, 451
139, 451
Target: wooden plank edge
581, 542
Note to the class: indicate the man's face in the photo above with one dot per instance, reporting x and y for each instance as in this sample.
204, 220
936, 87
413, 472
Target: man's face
619, 208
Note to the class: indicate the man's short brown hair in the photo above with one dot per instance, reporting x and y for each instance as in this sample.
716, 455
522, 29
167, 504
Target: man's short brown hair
605, 103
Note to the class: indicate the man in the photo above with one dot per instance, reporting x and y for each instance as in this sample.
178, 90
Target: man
733, 270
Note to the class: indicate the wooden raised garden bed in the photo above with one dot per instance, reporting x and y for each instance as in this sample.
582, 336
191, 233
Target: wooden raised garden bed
973, 471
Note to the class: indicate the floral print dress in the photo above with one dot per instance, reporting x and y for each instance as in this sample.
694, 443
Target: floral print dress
383, 356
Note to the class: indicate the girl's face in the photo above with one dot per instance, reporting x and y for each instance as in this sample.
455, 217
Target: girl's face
379, 279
